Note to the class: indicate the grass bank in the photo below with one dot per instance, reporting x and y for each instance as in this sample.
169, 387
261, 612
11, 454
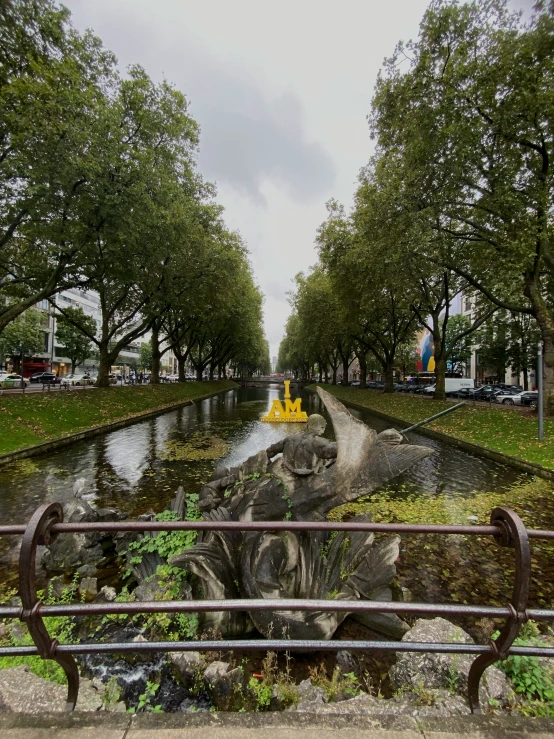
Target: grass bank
27, 420
500, 429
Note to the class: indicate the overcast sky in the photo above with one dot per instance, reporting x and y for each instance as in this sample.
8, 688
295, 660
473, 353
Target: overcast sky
281, 92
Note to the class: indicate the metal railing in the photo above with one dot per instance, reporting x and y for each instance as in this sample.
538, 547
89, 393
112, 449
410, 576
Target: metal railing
47, 523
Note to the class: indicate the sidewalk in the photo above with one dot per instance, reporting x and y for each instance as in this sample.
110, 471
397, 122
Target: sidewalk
267, 726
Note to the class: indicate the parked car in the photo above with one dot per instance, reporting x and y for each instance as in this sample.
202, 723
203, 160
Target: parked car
453, 384
464, 393
45, 377
355, 383
487, 392
528, 398
423, 389
77, 379
12, 380
502, 392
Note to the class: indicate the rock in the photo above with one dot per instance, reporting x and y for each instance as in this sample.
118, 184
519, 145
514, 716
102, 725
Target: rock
21, 691
87, 571
416, 670
223, 686
4, 631
310, 696
195, 705
188, 664
18, 630
215, 670
139, 639
107, 594
360, 705
57, 585
438, 703
88, 589
347, 662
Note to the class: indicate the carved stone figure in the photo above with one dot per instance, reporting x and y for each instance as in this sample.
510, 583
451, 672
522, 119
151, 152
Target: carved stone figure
312, 477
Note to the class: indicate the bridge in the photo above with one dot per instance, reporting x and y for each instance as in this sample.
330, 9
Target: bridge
264, 380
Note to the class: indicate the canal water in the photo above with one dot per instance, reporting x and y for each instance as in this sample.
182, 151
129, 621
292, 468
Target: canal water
138, 468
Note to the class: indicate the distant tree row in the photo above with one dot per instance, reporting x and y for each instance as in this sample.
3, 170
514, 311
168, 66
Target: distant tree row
99, 190
457, 200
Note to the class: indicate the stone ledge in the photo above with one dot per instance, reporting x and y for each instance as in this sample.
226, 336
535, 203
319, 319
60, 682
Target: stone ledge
283, 726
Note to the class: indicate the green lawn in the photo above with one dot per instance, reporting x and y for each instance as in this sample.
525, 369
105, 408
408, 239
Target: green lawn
504, 430
32, 418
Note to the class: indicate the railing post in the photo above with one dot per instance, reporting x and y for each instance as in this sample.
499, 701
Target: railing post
38, 532
512, 534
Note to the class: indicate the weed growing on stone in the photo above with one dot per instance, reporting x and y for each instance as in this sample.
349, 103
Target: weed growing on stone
339, 684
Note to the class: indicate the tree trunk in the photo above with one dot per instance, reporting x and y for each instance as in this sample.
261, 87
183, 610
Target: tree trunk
326, 374
345, 366
320, 373
363, 371
155, 378
440, 376
334, 374
104, 365
181, 365
199, 372
211, 373
525, 378
389, 377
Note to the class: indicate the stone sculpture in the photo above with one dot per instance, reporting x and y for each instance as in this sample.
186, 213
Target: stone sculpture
312, 477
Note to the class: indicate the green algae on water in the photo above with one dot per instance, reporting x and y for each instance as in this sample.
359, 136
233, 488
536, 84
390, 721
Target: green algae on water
196, 447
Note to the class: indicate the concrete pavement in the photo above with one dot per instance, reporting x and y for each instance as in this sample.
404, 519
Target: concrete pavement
268, 726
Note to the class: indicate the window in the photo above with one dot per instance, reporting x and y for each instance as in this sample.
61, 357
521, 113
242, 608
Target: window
46, 341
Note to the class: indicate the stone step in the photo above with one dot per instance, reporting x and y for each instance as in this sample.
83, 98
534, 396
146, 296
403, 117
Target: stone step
267, 726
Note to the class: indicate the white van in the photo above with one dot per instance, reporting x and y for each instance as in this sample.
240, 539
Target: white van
453, 384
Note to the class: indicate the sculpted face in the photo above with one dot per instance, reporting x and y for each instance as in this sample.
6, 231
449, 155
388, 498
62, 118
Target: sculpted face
316, 424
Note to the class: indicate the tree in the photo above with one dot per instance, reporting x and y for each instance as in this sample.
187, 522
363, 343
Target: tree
458, 343
509, 340
469, 119
53, 87
406, 356
77, 345
140, 203
145, 355
23, 337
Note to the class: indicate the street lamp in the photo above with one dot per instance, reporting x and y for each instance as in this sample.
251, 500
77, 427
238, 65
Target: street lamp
540, 389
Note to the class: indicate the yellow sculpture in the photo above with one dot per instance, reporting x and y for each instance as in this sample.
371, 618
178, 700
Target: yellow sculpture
291, 413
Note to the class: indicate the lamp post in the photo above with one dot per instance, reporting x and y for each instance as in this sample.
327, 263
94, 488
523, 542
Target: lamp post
540, 389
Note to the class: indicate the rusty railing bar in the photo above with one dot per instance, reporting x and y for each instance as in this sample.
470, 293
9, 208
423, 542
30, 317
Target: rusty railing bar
87, 609
274, 644
116, 526
513, 535
275, 604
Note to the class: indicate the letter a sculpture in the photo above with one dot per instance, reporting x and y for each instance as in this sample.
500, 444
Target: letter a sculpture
291, 413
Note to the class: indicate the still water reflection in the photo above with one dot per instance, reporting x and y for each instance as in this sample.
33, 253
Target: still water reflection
139, 468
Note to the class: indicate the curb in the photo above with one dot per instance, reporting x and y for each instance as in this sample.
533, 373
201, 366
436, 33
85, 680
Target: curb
531, 468
46, 446
293, 725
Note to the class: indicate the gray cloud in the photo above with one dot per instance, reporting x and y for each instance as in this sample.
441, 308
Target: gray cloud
248, 139
251, 131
